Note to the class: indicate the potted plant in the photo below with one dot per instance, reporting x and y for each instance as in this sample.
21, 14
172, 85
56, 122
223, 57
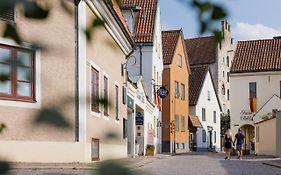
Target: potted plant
150, 150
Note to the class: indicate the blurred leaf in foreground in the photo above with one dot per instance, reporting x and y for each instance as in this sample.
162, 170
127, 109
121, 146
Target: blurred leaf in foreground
52, 117
2, 127
4, 167
114, 168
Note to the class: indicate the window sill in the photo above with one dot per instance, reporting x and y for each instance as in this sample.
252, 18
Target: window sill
27, 100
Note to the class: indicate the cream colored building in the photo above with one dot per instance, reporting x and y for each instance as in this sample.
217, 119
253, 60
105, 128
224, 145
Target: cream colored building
255, 86
58, 83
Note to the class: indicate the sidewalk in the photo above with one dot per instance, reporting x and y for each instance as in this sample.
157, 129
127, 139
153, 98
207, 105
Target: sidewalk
274, 163
130, 162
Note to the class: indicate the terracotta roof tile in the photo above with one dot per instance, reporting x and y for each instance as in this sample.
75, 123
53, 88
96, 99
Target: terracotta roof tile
257, 56
194, 120
169, 44
201, 50
196, 80
145, 21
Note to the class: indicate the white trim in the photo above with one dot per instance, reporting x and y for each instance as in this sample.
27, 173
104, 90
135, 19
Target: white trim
82, 71
38, 98
100, 9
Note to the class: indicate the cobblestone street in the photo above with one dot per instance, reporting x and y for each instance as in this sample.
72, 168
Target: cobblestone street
192, 163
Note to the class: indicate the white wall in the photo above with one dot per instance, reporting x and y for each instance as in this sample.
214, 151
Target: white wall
268, 84
210, 106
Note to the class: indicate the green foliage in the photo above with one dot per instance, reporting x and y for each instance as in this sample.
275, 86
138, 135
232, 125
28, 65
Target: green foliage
33, 10
4, 167
225, 123
114, 168
2, 127
152, 147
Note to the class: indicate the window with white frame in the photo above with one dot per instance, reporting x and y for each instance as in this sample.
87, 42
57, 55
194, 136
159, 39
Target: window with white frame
203, 114
215, 116
182, 94
209, 95
105, 94
203, 136
95, 90
215, 137
117, 102
179, 60
177, 127
176, 89
17, 67
182, 123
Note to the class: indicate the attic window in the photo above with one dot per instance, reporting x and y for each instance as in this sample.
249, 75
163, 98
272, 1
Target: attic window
8, 15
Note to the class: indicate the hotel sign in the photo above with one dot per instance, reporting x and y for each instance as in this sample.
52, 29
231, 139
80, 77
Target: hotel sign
246, 116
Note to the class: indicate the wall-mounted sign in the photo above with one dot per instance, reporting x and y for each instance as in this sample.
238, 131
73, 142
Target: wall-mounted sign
246, 116
162, 92
139, 118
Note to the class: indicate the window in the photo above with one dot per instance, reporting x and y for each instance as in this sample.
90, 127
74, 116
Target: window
227, 61
8, 14
182, 123
179, 60
177, 123
105, 95
223, 89
18, 66
223, 59
95, 149
183, 145
203, 114
227, 76
203, 136
182, 94
176, 89
223, 74
228, 94
215, 137
177, 146
209, 95
253, 90
117, 102
124, 95
95, 90
253, 96
125, 128
215, 116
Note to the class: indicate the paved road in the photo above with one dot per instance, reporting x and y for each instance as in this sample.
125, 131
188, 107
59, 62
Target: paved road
209, 164
190, 164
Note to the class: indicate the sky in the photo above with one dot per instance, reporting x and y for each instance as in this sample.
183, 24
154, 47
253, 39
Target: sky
249, 19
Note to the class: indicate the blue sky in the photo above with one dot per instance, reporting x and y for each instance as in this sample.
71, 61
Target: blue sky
249, 19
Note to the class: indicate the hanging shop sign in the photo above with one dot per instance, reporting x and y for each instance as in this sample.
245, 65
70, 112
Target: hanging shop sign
162, 92
139, 118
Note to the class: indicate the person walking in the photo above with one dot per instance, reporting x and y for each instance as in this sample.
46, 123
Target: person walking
228, 143
239, 138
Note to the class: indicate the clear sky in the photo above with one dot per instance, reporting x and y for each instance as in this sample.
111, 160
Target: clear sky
249, 19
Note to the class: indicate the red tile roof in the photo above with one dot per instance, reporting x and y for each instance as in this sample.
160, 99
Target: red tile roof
169, 44
201, 50
196, 80
145, 21
257, 56
194, 120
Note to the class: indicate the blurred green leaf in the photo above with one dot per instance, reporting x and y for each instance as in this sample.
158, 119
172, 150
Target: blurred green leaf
113, 168
65, 6
11, 32
88, 34
51, 116
4, 77
218, 36
4, 167
2, 127
111, 136
33, 10
97, 23
7, 4
218, 13
118, 2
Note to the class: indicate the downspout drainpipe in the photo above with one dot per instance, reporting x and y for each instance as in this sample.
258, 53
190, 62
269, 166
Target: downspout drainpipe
76, 2
140, 46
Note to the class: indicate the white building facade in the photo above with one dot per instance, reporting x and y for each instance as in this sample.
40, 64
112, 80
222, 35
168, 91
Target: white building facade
207, 108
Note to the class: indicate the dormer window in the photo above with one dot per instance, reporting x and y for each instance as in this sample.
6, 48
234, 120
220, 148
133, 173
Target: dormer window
179, 60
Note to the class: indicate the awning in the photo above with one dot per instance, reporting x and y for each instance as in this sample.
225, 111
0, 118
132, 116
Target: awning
194, 120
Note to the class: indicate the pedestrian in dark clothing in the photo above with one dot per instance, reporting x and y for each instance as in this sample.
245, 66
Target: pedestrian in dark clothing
239, 137
227, 144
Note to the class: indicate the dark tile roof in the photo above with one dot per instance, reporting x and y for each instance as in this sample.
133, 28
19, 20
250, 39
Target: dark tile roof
196, 80
201, 50
257, 56
169, 44
145, 21
194, 120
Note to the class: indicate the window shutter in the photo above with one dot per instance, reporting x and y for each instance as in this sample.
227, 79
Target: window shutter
8, 14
